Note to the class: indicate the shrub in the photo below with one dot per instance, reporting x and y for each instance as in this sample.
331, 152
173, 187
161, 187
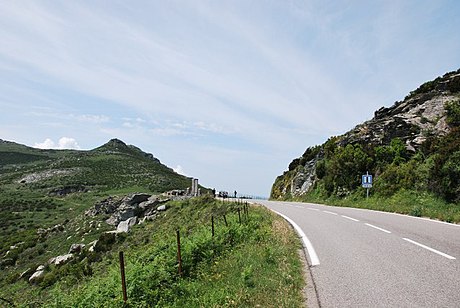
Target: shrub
105, 242
453, 113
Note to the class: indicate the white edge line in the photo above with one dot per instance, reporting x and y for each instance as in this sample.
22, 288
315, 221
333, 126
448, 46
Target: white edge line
349, 218
383, 212
332, 213
430, 249
397, 214
378, 228
307, 244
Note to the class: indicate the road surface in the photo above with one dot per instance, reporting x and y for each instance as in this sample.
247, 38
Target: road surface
376, 259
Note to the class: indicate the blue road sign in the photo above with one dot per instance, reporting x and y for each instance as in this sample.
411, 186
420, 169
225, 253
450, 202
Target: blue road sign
366, 181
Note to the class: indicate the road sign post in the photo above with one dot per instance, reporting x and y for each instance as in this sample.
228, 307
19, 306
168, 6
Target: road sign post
366, 182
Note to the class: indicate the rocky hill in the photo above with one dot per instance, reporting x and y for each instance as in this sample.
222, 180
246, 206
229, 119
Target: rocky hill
41, 189
65, 216
61, 210
113, 165
412, 145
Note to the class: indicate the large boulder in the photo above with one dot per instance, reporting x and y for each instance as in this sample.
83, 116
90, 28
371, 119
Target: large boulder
151, 203
136, 198
106, 206
124, 212
126, 225
60, 260
37, 277
121, 210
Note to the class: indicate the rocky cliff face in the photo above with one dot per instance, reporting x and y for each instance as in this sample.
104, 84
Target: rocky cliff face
419, 116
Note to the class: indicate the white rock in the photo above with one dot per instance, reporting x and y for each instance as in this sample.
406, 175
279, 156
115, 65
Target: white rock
37, 276
59, 260
125, 225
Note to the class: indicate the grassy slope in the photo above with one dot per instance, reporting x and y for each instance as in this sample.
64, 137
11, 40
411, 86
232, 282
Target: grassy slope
110, 169
255, 263
113, 169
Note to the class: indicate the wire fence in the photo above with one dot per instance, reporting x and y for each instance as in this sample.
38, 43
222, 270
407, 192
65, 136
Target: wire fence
241, 209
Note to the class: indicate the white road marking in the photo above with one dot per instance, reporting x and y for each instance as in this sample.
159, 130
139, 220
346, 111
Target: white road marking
430, 249
311, 251
375, 227
332, 213
402, 215
349, 218
309, 208
299, 207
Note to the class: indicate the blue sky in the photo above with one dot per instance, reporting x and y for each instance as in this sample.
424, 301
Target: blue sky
225, 91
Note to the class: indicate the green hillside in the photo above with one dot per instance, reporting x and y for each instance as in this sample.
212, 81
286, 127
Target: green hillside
61, 212
114, 165
412, 149
39, 187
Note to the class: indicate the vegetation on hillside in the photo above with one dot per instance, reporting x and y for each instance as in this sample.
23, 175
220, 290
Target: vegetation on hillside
431, 172
245, 264
44, 195
43, 188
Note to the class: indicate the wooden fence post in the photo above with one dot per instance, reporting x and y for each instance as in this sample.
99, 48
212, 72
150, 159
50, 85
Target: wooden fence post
179, 258
123, 277
212, 223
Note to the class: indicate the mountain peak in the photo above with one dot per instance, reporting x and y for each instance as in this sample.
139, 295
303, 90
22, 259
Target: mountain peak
116, 145
115, 142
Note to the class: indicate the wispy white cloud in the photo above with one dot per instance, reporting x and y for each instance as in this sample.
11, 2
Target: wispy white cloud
221, 76
63, 143
92, 118
47, 144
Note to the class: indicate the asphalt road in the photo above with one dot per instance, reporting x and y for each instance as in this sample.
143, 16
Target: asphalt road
376, 259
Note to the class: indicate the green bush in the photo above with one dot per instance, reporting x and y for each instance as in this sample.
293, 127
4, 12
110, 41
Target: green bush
453, 113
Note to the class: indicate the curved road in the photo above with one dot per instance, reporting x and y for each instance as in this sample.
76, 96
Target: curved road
377, 259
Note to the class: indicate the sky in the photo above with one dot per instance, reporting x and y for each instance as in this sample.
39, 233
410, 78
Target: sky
228, 92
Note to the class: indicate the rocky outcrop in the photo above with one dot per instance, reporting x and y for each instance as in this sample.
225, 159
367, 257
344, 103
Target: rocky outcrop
304, 178
136, 199
54, 229
126, 225
126, 212
60, 260
421, 115
38, 275
411, 121
39, 176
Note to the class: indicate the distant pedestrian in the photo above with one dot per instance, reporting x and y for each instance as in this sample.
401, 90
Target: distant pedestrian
235, 194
